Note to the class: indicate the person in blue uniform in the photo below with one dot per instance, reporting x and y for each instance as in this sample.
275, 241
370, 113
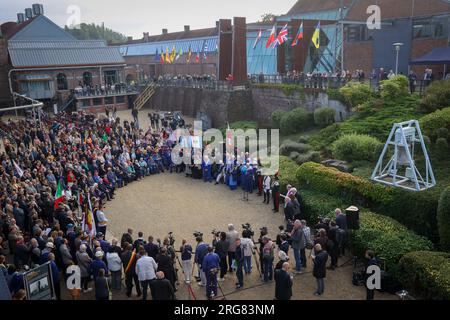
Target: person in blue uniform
206, 168
210, 266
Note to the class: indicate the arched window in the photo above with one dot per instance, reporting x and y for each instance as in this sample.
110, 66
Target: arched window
87, 78
61, 81
129, 79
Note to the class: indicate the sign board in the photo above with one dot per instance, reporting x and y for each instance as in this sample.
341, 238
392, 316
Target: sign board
38, 283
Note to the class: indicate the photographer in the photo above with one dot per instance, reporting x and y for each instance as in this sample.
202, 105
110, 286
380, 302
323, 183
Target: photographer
210, 267
186, 256
222, 250
232, 235
263, 233
298, 244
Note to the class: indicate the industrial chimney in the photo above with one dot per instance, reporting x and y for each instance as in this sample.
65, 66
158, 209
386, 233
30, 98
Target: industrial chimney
187, 28
164, 31
38, 9
146, 36
20, 17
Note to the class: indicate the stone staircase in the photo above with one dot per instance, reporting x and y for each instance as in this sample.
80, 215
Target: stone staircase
144, 96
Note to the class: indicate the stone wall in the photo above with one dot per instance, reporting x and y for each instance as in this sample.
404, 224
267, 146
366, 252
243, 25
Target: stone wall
255, 104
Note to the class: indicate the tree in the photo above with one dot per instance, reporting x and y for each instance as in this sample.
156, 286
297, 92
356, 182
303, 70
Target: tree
96, 32
267, 17
443, 219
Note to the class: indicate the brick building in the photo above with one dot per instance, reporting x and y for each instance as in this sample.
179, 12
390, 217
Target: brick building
420, 25
42, 61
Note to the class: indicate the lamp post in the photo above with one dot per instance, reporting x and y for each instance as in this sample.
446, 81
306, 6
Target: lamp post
397, 47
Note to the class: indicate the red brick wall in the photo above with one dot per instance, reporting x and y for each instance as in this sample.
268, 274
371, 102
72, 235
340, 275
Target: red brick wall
421, 47
4, 84
398, 8
358, 56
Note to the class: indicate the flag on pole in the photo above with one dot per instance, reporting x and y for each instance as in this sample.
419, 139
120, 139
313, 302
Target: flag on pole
88, 223
205, 48
197, 57
188, 59
59, 196
19, 171
316, 36
173, 54
298, 36
180, 53
272, 36
282, 36
257, 38
157, 57
162, 56
167, 58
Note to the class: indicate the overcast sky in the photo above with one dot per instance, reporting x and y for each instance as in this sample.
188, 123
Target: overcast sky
132, 17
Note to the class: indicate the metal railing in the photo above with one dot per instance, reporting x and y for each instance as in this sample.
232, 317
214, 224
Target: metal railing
104, 91
208, 84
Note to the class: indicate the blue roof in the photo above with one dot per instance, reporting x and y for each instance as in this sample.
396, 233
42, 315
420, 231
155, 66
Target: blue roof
439, 55
62, 53
42, 28
150, 48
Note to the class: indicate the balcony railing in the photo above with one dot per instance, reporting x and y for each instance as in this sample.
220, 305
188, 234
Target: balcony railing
104, 91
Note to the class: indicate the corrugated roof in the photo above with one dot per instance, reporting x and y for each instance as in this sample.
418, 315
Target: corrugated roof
304, 6
62, 53
181, 35
149, 48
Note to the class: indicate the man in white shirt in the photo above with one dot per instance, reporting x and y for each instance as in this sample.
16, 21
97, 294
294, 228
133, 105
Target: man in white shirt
248, 246
102, 221
146, 271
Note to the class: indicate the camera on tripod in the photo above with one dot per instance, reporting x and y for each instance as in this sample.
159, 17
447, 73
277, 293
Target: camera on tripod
248, 229
216, 233
198, 234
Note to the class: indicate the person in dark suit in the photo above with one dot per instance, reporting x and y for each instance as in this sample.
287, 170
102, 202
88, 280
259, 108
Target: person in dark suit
166, 266
151, 248
129, 267
283, 283
320, 268
127, 237
161, 288
341, 219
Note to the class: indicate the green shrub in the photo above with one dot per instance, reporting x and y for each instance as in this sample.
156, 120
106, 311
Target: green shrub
293, 155
443, 219
288, 146
431, 123
340, 184
288, 89
442, 133
325, 137
295, 121
437, 96
416, 210
355, 93
303, 139
312, 156
276, 117
395, 87
319, 204
388, 238
287, 172
335, 94
356, 147
426, 274
244, 125
442, 148
324, 116
427, 142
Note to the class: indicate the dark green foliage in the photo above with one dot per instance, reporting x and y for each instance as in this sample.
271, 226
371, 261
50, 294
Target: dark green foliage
431, 123
94, 32
356, 93
426, 274
276, 117
288, 146
287, 172
326, 137
395, 87
324, 116
296, 120
313, 156
442, 133
303, 139
437, 96
244, 125
443, 219
355, 147
441, 148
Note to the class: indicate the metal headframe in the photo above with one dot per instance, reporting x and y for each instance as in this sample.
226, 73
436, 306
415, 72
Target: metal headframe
34, 104
403, 138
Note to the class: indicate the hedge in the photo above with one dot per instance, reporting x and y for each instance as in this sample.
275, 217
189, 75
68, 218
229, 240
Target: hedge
443, 219
416, 210
387, 237
295, 121
337, 183
431, 123
437, 96
355, 147
288, 146
324, 116
426, 274
287, 172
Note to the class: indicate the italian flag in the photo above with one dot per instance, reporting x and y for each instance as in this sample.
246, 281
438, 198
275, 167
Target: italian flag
59, 196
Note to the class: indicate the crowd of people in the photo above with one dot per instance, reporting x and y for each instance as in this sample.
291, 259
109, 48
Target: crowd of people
89, 90
55, 173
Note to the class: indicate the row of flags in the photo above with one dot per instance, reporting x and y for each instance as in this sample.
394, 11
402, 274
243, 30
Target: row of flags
175, 55
276, 40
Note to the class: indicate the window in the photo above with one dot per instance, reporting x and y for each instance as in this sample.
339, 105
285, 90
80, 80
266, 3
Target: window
359, 33
97, 101
110, 77
85, 102
430, 28
61, 81
120, 99
87, 78
109, 100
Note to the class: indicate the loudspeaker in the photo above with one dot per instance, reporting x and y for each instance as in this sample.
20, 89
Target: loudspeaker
352, 214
